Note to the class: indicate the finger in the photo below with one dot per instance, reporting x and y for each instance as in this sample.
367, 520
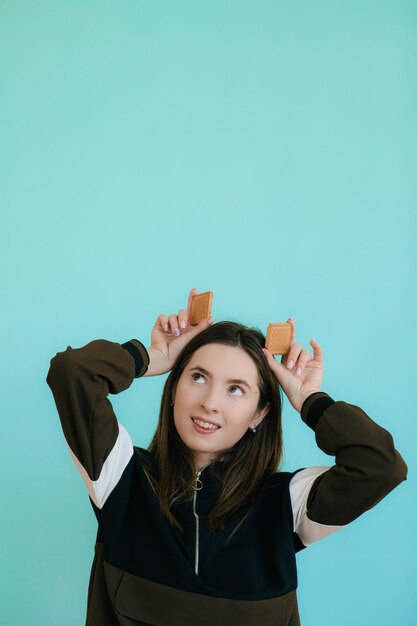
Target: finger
275, 365
183, 318
202, 325
205, 323
317, 351
293, 355
173, 322
164, 321
303, 359
269, 357
291, 321
193, 292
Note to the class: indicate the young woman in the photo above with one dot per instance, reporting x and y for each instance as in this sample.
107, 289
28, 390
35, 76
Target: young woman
202, 527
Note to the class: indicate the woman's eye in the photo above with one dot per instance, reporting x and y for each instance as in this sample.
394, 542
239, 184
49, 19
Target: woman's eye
196, 375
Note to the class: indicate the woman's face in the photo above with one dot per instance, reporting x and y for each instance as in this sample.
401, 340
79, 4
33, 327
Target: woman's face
218, 386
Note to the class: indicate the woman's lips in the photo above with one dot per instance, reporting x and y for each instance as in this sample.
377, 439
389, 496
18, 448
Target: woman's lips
204, 419
204, 431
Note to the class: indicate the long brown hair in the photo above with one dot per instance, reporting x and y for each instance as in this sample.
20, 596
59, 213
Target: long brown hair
170, 467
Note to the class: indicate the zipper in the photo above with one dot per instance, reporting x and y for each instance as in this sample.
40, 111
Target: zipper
198, 485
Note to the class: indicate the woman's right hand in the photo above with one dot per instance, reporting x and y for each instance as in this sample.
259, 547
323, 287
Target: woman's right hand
170, 335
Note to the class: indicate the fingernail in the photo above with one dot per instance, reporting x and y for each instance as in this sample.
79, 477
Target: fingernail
290, 364
298, 371
183, 324
176, 332
166, 327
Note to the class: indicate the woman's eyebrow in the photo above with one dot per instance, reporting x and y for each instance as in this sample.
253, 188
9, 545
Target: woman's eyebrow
232, 380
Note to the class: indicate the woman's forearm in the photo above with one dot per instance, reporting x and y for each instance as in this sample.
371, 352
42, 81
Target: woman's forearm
157, 363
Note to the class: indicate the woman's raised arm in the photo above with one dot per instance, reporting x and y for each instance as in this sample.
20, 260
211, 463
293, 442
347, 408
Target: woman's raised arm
80, 380
367, 467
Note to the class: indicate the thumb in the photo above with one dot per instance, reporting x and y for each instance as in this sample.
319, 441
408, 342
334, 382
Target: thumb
202, 325
276, 367
178, 343
205, 323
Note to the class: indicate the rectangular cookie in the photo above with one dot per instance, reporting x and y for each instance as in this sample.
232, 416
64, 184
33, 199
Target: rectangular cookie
278, 337
201, 307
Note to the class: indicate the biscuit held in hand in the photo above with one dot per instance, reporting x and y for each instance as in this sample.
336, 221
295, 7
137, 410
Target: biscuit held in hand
299, 374
201, 307
278, 337
170, 335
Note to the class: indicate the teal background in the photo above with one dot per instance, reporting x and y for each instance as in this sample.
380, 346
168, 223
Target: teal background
263, 150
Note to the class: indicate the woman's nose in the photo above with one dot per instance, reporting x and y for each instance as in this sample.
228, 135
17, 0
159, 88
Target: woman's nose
210, 400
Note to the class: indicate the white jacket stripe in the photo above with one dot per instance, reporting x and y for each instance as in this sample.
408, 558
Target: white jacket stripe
300, 485
112, 469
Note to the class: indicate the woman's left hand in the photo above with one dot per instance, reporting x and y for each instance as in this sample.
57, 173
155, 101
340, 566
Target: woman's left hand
299, 374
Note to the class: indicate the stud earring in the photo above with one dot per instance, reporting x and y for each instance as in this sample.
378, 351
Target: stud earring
253, 430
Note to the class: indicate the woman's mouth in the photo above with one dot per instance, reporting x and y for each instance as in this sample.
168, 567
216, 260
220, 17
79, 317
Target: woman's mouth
204, 427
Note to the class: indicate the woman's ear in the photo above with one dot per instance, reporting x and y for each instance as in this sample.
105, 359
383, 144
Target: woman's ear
262, 414
265, 410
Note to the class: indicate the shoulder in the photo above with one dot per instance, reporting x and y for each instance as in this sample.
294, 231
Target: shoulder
293, 482
280, 477
142, 451
277, 480
142, 454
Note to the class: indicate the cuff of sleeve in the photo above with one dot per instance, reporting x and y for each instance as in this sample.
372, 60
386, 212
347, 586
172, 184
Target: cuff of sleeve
314, 407
140, 355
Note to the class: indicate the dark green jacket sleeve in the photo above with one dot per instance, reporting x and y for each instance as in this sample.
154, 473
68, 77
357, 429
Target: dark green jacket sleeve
80, 380
367, 467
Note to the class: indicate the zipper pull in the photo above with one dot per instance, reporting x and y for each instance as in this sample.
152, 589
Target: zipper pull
198, 483
197, 486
